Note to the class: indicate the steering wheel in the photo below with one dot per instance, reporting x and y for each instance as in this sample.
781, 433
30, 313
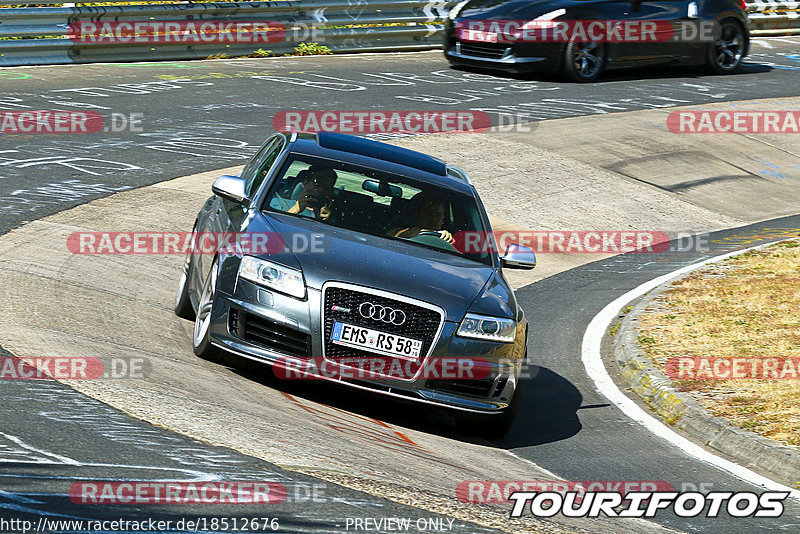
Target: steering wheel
433, 233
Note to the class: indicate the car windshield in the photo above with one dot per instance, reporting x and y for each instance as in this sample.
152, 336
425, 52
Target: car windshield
377, 203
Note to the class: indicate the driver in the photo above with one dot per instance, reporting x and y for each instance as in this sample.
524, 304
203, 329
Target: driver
315, 194
429, 215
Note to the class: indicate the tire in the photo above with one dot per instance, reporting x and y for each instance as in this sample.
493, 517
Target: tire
583, 62
183, 304
201, 335
726, 52
494, 426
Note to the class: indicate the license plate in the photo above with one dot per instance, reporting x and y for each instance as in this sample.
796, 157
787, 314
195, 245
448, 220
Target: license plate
477, 35
375, 341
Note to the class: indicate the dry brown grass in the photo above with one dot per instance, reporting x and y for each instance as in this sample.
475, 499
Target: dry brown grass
747, 306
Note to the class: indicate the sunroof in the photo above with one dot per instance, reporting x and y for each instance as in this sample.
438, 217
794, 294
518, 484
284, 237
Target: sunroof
375, 149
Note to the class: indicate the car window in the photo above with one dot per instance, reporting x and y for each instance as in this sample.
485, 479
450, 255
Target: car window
354, 182
249, 168
346, 181
261, 163
373, 202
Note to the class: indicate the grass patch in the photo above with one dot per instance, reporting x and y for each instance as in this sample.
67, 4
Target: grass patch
747, 306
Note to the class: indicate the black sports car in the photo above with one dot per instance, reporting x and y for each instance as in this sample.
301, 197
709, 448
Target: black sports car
582, 38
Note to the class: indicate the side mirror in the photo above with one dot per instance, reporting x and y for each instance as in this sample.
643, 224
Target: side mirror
518, 257
230, 188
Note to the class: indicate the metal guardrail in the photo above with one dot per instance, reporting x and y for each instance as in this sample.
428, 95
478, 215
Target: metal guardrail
773, 17
420, 27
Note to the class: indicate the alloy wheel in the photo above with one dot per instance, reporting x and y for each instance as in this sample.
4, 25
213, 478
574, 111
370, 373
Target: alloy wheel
203, 321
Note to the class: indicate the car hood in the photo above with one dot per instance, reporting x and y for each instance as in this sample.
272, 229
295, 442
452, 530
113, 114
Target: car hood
517, 9
446, 280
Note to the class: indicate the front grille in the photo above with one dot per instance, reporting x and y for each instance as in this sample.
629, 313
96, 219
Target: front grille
269, 334
473, 388
487, 50
421, 323
488, 387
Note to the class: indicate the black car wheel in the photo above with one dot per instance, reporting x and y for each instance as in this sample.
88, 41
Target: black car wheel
583, 62
183, 304
725, 53
201, 339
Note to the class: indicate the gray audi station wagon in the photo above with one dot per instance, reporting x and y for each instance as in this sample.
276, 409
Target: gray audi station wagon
362, 259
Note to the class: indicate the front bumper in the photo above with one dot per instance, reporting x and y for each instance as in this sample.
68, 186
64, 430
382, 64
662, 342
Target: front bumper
489, 395
509, 57
509, 61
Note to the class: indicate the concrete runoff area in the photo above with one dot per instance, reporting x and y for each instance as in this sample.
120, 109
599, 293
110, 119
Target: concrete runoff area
565, 175
741, 176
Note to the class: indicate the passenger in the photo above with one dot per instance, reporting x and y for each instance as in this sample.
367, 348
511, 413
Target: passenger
313, 195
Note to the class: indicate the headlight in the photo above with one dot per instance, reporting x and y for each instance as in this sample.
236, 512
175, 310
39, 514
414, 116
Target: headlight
456, 10
488, 328
273, 276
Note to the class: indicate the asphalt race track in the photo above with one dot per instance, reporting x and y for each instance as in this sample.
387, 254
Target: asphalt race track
203, 116
570, 430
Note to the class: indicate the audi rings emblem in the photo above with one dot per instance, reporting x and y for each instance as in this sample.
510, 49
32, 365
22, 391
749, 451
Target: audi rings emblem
385, 314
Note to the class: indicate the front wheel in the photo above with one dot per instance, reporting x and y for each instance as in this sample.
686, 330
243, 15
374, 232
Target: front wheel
183, 304
583, 62
201, 338
726, 52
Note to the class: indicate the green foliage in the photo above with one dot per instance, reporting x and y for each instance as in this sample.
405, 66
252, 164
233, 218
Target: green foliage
311, 49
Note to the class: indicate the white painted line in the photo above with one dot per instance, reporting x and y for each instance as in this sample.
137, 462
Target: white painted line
590, 354
18, 498
60, 459
63, 460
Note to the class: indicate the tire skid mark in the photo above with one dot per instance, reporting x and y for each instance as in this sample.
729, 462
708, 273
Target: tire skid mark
396, 441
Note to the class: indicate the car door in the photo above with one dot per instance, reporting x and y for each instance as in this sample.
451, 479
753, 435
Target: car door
232, 215
662, 12
225, 216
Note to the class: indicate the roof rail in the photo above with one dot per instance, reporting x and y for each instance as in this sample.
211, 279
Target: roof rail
458, 172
